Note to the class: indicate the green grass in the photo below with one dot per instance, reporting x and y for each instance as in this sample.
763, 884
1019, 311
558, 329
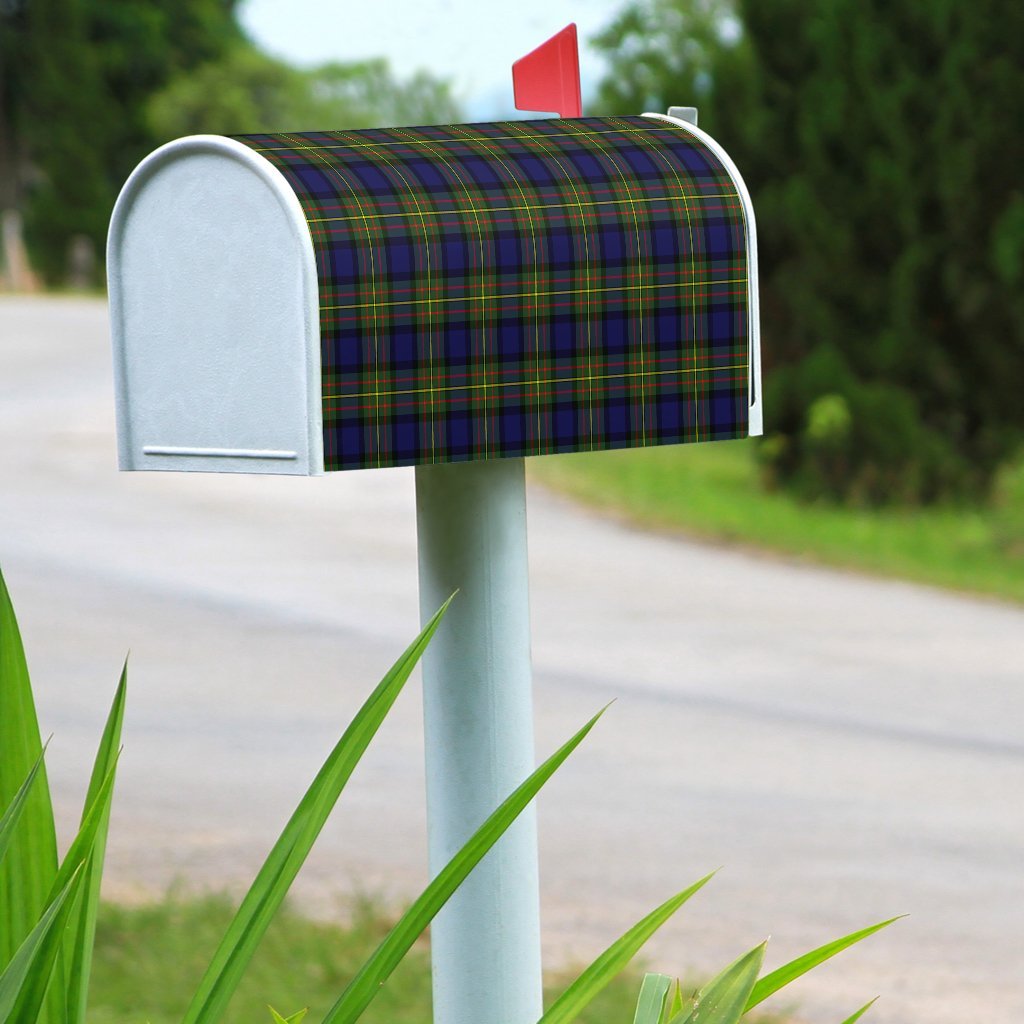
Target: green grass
149, 959
713, 491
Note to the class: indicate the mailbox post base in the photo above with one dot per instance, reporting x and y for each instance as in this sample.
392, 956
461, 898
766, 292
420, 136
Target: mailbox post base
478, 720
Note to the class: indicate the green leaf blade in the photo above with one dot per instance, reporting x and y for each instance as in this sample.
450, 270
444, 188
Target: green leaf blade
295, 1018
782, 976
372, 975
854, 1017
595, 977
82, 931
675, 1006
72, 867
274, 879
651, 1003
29, 868
12, 815
23, 983
723, 1000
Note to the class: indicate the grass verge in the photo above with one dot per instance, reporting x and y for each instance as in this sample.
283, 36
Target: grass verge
149, 959
712, 491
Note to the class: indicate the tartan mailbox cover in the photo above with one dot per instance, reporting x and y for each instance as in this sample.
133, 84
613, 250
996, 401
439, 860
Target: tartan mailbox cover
344, 300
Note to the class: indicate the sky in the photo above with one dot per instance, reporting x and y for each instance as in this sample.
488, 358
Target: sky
471, 42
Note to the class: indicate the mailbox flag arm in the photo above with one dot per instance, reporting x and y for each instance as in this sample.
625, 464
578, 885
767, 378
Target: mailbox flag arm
548, 78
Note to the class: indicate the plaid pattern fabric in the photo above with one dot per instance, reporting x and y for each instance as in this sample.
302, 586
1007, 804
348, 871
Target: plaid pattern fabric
522, 288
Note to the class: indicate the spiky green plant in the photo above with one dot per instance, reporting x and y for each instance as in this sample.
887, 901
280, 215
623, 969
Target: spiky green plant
725, 999
48, 909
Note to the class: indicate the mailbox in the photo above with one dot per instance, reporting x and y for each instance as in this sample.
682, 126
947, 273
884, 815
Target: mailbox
460, 294
296, 303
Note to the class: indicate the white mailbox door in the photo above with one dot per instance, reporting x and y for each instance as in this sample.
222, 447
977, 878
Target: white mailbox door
215, 315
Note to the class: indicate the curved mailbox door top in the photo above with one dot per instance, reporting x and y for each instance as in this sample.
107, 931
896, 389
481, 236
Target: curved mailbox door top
214, 315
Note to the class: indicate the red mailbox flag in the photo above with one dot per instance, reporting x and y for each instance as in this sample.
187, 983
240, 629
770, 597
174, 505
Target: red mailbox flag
548, 78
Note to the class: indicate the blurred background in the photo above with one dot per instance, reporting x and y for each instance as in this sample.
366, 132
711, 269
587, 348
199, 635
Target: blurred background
880, 141
848, 743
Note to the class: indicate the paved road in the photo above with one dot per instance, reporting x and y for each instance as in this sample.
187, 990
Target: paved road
846, 748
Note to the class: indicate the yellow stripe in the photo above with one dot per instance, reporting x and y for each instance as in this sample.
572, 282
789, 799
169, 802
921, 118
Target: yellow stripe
536, 295
337, 173
689, 227
640, 296
442, 142
430, 324
588, 291
526, 206
536, 266
536, 383
480, 239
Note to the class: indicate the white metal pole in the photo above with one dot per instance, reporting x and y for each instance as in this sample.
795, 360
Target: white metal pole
478, 721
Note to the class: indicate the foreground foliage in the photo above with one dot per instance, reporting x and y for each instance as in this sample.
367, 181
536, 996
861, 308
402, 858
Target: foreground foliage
149, 955
48, 907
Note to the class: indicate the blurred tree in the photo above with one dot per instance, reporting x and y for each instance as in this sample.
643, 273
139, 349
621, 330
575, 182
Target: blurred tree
249, 91
365, 94
244, 91
75, 76
88, 87
665, 52
12, 16
880, 142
